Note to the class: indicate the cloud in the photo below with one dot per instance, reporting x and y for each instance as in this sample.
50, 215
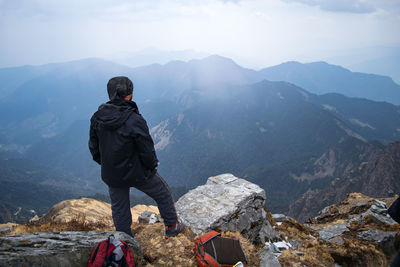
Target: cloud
352, 6
267, 32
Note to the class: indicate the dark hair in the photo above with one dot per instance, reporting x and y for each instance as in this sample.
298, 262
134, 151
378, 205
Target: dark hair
119, 87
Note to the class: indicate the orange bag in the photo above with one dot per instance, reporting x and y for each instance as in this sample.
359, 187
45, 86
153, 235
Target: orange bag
213, 250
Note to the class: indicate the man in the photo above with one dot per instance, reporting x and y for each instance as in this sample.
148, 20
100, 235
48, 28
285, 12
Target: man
120, 142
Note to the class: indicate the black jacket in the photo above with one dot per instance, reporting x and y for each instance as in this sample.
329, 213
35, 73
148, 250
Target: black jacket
120, 142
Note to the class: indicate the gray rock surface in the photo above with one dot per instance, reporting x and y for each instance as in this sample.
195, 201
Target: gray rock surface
325, 214
386, 240
268, 258
331, 233
337, 239
56, 248
377, 217
377, 213
280, 218
295, 244
148, 217
227, 203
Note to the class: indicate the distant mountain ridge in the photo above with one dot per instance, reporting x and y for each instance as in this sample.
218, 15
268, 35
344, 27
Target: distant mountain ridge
322, 78
383, 60
316, 77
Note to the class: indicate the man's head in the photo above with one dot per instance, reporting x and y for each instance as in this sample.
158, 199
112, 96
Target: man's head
119, 87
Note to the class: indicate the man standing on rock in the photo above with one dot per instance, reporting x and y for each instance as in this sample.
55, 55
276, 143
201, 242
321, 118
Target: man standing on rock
121, 143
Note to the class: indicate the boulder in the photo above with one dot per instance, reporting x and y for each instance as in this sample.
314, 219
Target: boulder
332, 233
227, 203
56, 248
386, 240
148, 217
268, 258
138, 210
378, 214
377, 217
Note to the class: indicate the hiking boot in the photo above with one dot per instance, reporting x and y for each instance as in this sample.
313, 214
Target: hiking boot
173, 230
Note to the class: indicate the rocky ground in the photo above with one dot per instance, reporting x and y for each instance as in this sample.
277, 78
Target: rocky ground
354, 232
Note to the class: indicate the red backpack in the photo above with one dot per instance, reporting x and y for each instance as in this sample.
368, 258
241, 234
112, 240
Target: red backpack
213, 250
111, 252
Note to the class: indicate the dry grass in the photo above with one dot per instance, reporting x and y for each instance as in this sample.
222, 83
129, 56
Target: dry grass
313, 257
158, 251
77, 224
179, 250
294, 230
356, 253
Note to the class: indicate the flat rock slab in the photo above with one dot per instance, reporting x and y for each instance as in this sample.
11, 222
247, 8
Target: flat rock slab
377, 218
56, 248
377, 236
225, 203
387, 240
330, 233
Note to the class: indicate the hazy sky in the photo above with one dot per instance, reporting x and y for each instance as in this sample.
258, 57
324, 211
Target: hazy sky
259, 32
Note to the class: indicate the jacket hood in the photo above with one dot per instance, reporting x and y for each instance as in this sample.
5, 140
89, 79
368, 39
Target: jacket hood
113, 114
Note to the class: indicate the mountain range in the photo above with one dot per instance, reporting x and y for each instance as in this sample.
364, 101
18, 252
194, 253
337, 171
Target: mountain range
384, 60
206, 117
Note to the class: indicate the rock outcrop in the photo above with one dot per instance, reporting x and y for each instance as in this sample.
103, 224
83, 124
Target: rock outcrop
67, 249
357, 207
227, 203
354, 232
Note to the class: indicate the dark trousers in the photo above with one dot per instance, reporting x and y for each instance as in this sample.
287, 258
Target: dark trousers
156, 188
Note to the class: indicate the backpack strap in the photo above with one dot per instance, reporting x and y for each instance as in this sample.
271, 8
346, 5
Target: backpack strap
210, 260
204, 256
94, 253
207, 237
108, 260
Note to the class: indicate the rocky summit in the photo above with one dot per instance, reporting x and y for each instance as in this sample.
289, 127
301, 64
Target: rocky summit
355, 232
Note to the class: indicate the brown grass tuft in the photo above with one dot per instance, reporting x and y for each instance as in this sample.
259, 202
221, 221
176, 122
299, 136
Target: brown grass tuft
77, 224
